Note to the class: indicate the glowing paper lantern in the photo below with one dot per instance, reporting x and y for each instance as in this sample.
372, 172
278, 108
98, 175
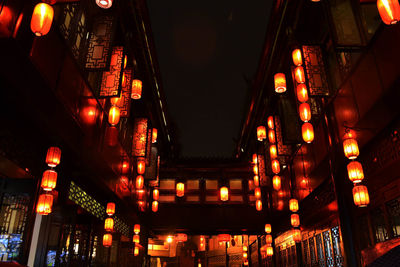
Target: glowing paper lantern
297, 58
180, 189
156, 194
109, 224
255, 170
273, 152
114, 115
154, 134
107, 240
304, 182
42, 18
261, 133
259, 205
296, 234
268, 239
136, 229
270, 122
299, 74
136, 238
276, 168
139, 182
45, 204
350, 145
53, 156
307, 131
293, 205
104, 3
224, 193
271, 136
268, 228
270, 251
49, 180
154, 206
136, 251
280, 83
355, 171
245, 255
360, 195
169, 239
305, 112
256, 180
141, 165
136, 89
124, 167
389, 10
302, 93
110, 210
276, 182
255, 159
257, 192
295, 220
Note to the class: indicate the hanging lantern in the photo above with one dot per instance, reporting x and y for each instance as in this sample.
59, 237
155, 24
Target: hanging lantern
297, 58
304, 182
255, 159
268, 239
140, 194
169, 239
273, 153
296, 234
125, 167
261, 133
114, 115
268, 228
154, 134
53, 156
258, 205
271, 136
136, 229
350, 146
276, 168
293, 205
45, 204
270, 251
224, 193
299, 74
181, 237
109, 224
307, 131
180, 189
257, 193
110, 210
360, 195
136, 238
136, 251
276, 182
270, 122
245, 263
389, 10
224, 238
49, 180
355, 171
154, 206
255, 170
280, 83
295, 220
245, 255
42, 18
256, 180
136, 89
141, 165
244, 248
104, 3
305, 112
107, 240
139, 182
156, 194
302, 93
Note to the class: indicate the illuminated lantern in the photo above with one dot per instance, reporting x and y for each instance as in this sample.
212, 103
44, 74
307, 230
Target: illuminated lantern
169, 239
49, 180
259, 205
297, 58
156, 194
245, 255
276, 182
307, 131
181, 237
268, 239
302, 93
257, 193
141, 166
355, 171
110, 210
109, 224
256, 180
261, 133
139, 182
305, 112
224, 193
276, 168
295, 220
42, 18
154, 206
304, 183
296, 234
224, 238
136, 89
114, 115
45, 204
273, 153
270, 251
293, 205
180, 189
104, 3
140, 194
350, 146
299, 74
136, 238
255, 170
124, 167
136, 229
136, 251
389, 10
255, 158
270, 122
53, 156
271, 136
268, 228
360, 195
154, 134
280, 83
246, 263
244, 248
141, 204
107, 240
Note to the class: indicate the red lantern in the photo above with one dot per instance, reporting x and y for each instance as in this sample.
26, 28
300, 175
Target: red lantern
156, 194
256, 180
114, 115
110, 210
124, 167
141, 165
53, 156
360, 195
45, 204
268, 239
257, 192
270, 251
255, 159
271, 136
109, 224
270, 122
299, 74
154, 206
224, 238
296, 234
181, 237
295, 220
304, 182
268, 228
302, 93
261, 133
389, 10
42, 18
245, 255
136, 89
280, 83
276, 168
350, 145
139, 182
136, 251
307, 131
180, 189
154, 134
107, 240
136, 229
259, 205
255, 170
355, 171
305, 112
224, 193
140, 194
276, 182
104, 3
49, 180
293, 205
273, 153
297, 58
136, 238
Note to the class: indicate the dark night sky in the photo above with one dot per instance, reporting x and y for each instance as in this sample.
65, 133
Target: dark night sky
205, 49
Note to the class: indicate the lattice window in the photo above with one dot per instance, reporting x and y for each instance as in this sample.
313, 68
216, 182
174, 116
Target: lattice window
378, 223
306, 254
282, 149
110, 81
262, 170
393, 208
313, 256
337, 251
320, 250
315, 70
124, 103
328, 249
139, 137
67, 17
121, 227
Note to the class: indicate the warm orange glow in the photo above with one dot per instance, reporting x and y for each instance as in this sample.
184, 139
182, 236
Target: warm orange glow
181, 237
244, 248
360, 195
258, 205
154, 206
136, 251
136, 238
49, 180
280, 83
107, 240
270, 122
255, 159
270, 251
389, 10
293, 205
224, 238
255, 170
304, 182
257, 192
114, 115
297, 58
302, 93
305, 112
355, 171
141, 165
124, 167
307, 131
156, 194
139, 182
276, 182
273, 153
140, 194
268, 239
245, 255
45, 204
169, 239
180, 189
350, 148
53, 156
154, 134
224, 193
136, 89
271, 136
42, 18
104, 3
261, 133
109, 224
296, 234
295, 220
256, 180
268, 228
299, 74
110, 210
276, 167
136, 229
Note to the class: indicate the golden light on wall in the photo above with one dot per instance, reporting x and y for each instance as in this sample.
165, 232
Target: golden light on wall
268, 239
271, 136
224, 193
154, 135
49, 180
305, 112
114, 115
276, 167
355, 171
139, 182
293, 205
42, 18
156, 194
136, 89
53, 156
170, 239
109, 224
280, 83
307, 132
45, 204
256, 180
270, 122
110, 210
360, 195
104, 3
181, 237
136, 229
257, 193
268, 228
297, 58
261, 133
180, 189
299, 74
107, 240
389, 10
270, 251
258, 205
296, 234
295, 220
276, 182
141, 165
302, 93
224, 238
136, 238
273, 152
255, 159
154, 206
350, 146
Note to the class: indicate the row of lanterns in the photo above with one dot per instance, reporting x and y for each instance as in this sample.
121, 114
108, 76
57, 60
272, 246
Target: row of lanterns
273, 154
257, 189
295, 219
109, 225
269, 240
